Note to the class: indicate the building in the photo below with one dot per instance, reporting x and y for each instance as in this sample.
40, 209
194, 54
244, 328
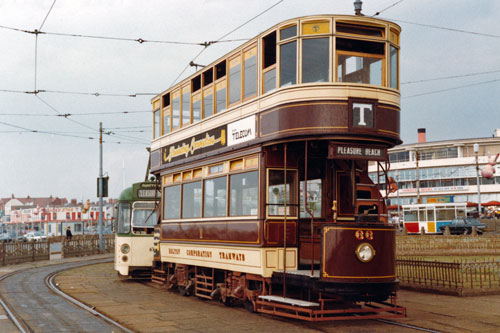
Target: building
52, 215
443, 171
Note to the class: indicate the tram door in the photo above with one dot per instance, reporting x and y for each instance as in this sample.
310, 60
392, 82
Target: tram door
343, 180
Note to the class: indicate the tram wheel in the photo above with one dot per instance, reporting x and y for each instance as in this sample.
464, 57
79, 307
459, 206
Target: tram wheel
183, 291
249, 306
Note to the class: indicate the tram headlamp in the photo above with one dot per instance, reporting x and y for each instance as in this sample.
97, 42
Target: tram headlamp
125, 248
365, 252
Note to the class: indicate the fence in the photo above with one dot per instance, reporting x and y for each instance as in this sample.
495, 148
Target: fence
433, 245
19, 252
458, 278
80, 246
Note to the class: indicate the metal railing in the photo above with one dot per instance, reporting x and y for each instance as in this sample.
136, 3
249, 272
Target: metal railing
433, 245
458, 277
12, 253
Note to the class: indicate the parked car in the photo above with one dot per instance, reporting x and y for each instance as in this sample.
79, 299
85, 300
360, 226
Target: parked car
7, 237
35, 236
463, 225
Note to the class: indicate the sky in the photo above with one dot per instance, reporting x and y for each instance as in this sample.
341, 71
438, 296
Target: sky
450, 76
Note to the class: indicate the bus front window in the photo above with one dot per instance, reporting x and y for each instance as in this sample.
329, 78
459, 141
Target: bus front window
123, 218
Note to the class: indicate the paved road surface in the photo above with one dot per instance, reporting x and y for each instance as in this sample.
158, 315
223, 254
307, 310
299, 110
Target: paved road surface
41, 309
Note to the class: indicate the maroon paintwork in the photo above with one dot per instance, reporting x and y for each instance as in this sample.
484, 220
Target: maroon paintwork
340, 263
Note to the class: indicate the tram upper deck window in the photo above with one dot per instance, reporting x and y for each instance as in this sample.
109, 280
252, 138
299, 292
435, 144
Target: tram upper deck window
359, 61
144, 214
186, 105
288, 64
250, 73
288, 32
269, 63
234, 80
176, 110
208, 102
393, 68
220, 96
196, 107
276, 198
315, 60
346, 28
156, 124
172, 202
123, 218
208, 77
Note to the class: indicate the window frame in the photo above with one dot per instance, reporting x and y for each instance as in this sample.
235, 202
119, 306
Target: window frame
294, 216
361, 55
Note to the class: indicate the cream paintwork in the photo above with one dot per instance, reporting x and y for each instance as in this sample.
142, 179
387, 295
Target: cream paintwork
260, 261
140, 255
296, 93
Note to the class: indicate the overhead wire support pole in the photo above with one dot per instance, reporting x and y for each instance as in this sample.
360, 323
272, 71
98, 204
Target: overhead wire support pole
101, 239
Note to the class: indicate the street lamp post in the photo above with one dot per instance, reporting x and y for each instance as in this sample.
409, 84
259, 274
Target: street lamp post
476, 152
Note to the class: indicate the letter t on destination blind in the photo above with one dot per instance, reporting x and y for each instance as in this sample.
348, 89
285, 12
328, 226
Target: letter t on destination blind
362, 115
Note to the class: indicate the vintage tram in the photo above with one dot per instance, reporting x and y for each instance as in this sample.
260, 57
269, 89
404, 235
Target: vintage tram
136, 218
263, 158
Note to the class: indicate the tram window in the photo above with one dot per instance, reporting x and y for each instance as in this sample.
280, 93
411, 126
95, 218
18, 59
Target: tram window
314, 195
315, 60
357, 30
288, 64
166, 99
191, 200
196, 108
144, 214
166, 121
156, 125
220, 96
220, 70
208, 102
196, 83
276, 193
269, 63
430, 215
250, 73
186, 106
172, 202
123, 218
243, 192
234, 80
288, 32
208, 77
359, 61
176, 110
411, 216
214, 199
394, 68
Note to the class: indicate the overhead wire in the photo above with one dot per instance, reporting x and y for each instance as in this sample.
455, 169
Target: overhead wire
449, 77
383, 10
448, 89
445, 28
222, 37
96, 94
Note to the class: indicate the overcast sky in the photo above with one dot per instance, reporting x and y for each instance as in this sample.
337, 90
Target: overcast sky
61, 160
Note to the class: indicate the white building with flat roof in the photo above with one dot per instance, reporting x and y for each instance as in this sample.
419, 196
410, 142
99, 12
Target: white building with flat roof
446, 171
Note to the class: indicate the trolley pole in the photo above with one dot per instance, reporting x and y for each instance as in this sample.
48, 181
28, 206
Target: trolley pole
101, 188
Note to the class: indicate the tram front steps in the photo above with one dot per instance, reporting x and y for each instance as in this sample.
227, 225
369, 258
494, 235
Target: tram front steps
159, 276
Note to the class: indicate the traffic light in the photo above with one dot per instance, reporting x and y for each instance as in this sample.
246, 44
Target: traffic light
104, 186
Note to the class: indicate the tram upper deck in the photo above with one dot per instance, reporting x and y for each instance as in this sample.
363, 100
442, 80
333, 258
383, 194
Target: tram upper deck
325, 76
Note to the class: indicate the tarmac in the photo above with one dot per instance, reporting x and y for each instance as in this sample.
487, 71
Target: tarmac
145, 307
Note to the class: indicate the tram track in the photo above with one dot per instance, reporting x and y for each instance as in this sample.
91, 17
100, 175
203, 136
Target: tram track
395, 323
50, 317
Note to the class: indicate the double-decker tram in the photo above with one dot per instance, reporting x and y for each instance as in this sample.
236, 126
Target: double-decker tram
136, 218
263, 157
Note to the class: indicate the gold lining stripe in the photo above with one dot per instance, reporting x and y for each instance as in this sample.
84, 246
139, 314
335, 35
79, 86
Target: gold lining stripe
385, 131
303, 128
349, 228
